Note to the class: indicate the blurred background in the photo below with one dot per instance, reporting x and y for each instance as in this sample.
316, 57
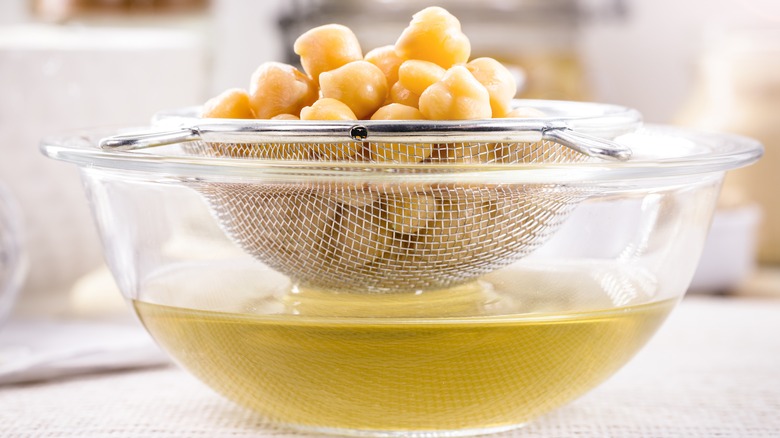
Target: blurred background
68, 64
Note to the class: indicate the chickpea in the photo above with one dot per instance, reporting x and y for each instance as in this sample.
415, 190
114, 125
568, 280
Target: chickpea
398, 152
397, 111
400, 94
434, 35
407, 214
498, 81
327, 109
387, 60
230, 104
525, 113
416, 75
458, 96
331, 109
278, 88
285, 117
325, 48
360, 85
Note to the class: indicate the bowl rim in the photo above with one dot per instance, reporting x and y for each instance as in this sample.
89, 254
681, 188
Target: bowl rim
691, 152
586, 127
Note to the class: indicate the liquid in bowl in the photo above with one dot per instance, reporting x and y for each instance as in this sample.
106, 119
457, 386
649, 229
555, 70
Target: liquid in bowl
418, 368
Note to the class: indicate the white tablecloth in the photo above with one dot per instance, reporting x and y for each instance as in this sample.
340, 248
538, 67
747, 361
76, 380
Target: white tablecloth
712, 371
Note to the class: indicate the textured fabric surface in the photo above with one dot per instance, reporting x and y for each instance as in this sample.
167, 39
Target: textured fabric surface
712, 371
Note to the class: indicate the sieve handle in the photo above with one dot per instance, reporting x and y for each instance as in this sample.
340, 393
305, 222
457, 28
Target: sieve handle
587, 144
133, 141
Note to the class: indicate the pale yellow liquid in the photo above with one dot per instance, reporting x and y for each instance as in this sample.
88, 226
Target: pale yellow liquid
402, 373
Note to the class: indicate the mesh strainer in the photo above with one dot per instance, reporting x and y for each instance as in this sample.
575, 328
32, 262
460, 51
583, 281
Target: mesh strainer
362, 236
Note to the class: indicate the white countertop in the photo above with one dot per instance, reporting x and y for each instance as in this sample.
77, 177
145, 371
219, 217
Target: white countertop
712, 370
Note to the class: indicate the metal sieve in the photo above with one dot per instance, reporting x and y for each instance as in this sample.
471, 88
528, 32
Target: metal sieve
362, 236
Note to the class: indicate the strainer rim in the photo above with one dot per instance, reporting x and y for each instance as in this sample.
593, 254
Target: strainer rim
603, 120
711, 152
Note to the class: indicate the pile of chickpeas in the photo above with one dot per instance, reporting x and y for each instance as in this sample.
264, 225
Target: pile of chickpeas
334, 233
425, 75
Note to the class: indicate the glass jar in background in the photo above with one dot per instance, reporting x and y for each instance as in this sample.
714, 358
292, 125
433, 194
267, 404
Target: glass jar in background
536, 37
11, 256
739, 91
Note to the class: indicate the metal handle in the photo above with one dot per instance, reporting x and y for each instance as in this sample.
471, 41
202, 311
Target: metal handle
588, 145
128, 142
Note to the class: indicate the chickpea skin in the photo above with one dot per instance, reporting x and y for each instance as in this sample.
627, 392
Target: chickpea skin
327, 109
325, 48
402, 95
360, 85
278, 88
458, 96
387, 60
434, 35
416, 75
397, 111
498, 81
230, 104
285, 117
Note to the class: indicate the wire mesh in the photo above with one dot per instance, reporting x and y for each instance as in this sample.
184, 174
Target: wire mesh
399, 153
396, 236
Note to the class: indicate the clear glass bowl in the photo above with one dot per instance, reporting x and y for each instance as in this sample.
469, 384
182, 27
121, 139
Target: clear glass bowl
482, 355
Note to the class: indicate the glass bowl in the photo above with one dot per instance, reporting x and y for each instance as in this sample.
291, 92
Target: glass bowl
486, 353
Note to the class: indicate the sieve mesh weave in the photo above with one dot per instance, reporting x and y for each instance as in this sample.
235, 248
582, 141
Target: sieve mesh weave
456, 152
389, 237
